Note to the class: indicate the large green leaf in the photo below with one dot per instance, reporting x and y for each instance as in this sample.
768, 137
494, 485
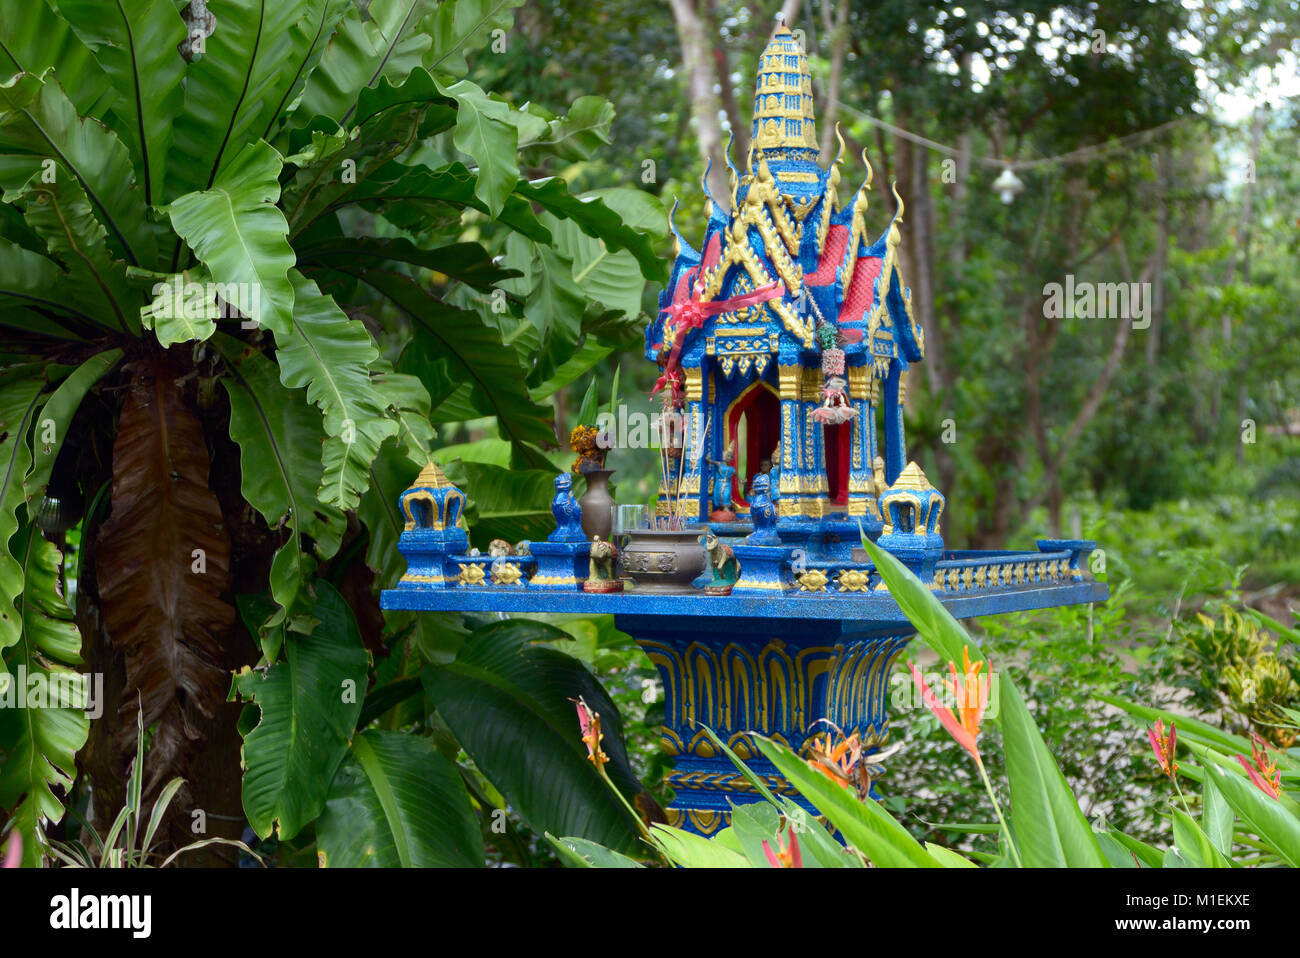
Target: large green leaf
278, 431
240, 235
309, 706
578, 135
40, 740
95, 284
467, 262
509, 703
39, 123
20, 389
1049, 827
483, 132
382, 44
331, 355
135, 42
396, 802
343, 167
250, 68
580, 853
462, 26
1189, 729
56, 417
1194, 844
33, 38
621, 219
451, 347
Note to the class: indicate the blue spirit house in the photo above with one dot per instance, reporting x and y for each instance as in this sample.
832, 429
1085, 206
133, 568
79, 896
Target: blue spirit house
785, 340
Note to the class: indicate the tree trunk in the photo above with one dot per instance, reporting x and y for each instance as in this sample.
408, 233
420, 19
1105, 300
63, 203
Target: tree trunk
730, 104
705, 106
839, 39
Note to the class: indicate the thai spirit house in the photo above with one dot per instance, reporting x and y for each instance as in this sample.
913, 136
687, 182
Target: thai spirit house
789, 333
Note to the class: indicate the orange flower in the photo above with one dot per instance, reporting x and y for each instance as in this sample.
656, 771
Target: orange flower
1264, 773
589, 722
787, 855
971, 694
1163, 745
838, 762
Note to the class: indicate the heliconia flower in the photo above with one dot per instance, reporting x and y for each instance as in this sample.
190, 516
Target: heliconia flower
14, 852
589, 722
788, 854
837, 761
1263, 773
1163, 745
971, 700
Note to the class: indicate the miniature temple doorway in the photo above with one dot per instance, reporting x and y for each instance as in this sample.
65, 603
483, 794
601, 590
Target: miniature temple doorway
754, 425
837, 440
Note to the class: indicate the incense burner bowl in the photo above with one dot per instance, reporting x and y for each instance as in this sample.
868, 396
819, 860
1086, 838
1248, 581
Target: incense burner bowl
664, 561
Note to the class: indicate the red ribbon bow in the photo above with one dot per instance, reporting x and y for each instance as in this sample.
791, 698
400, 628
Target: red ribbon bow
690, 314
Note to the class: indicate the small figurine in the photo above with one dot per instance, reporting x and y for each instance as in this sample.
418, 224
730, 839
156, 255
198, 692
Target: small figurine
878, 475
722, 564
763, 513
567, 512
523, 548
499, 547
722, 474
604, 571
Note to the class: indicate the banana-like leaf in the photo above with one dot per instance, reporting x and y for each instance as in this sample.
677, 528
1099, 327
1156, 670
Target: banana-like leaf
509, 703
331, 355
163, 565
278, 431
396, 802
57, 414
40, 740
95, 284
33, 38
135, 43
451, 347
239, 233
1194, 845
20, 390
41, 136
309, 705
242, 83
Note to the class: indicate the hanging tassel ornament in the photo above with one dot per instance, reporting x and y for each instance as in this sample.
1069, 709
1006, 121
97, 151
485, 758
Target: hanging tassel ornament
835, 407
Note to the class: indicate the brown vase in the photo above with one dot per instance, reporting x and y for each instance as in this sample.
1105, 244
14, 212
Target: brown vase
597, 505
664, 561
